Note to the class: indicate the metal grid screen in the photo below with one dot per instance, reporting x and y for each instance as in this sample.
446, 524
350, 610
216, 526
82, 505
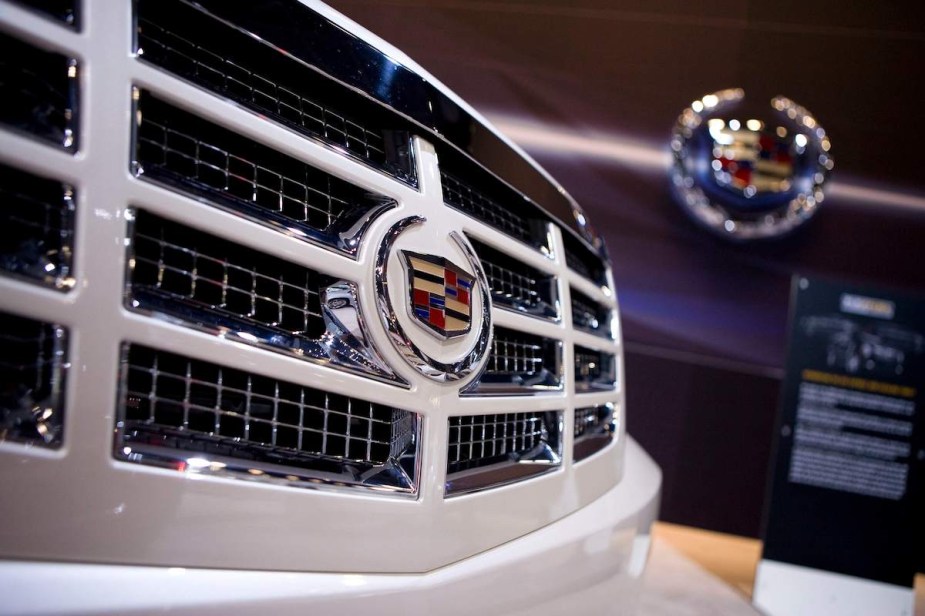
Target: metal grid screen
594, 369
589, 315
516, 353
591, 420
187, 273
228, 61
199, 157
481, 440
174, 402
39, 91
583, 260
517, 285
37, 235
32, 374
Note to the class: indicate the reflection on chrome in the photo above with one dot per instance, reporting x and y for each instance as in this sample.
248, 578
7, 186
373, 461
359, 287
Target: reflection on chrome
196, 279
746, 177
201, 418
485, 451
595, 428
33, 367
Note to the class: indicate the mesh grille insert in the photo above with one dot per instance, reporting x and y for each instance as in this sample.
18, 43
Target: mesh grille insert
594, 429
519, 362
192, 44
490, 450
516, 285
209, 281
589, 315
32, 374
594, 369
39, 91
583, 260
202, 159
37, 235
473, 190
174, 407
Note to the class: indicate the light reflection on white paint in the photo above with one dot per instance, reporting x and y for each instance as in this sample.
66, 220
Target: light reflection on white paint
550, 140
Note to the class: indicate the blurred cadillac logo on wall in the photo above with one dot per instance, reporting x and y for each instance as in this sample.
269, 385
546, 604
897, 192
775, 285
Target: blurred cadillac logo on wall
747, 172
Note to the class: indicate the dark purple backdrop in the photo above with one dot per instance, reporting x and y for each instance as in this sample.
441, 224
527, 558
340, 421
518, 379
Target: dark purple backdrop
591, 89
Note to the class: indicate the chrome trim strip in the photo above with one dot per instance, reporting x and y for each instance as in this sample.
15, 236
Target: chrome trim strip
344, 233
398, 475
345, 344
593, 434
403, 172
518, 466
343, 56
414, 355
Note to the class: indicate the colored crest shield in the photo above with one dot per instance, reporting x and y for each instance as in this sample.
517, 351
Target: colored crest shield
440, 294
750, 161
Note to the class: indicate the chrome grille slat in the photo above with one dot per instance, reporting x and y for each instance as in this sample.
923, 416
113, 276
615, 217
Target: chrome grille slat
464, 197
516, 285
583, 260
594, 369
495, 449
33, 365
590, 316
207, 161
228, 61
186, 407
37, 235
519, 362
595, 427
39, 91
182, 267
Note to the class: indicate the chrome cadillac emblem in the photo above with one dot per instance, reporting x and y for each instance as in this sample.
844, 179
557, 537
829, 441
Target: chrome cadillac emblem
436, 312
439, 294
749, 172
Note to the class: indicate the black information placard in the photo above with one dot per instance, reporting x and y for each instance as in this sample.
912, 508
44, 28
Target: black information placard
846, 486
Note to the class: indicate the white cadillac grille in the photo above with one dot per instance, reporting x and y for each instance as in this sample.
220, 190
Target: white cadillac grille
174, 408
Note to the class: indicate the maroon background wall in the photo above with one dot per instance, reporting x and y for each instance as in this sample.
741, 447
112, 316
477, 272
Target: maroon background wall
591, 89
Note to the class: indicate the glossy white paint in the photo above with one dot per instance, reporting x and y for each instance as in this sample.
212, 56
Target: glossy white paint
782, 589
586, 563
576, 525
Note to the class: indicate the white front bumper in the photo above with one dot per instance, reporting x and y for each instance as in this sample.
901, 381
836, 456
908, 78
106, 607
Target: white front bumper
589, 562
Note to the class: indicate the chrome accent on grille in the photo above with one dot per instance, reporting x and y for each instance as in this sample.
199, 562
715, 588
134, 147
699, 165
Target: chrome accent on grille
37, 234
594, 369
218, 286
583, 260
424, 363
189, 42
520, 363
205, 161
39, 90
33, 366
490, 201
591, 316
595, 427
516, 285
194, 415
487, 451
